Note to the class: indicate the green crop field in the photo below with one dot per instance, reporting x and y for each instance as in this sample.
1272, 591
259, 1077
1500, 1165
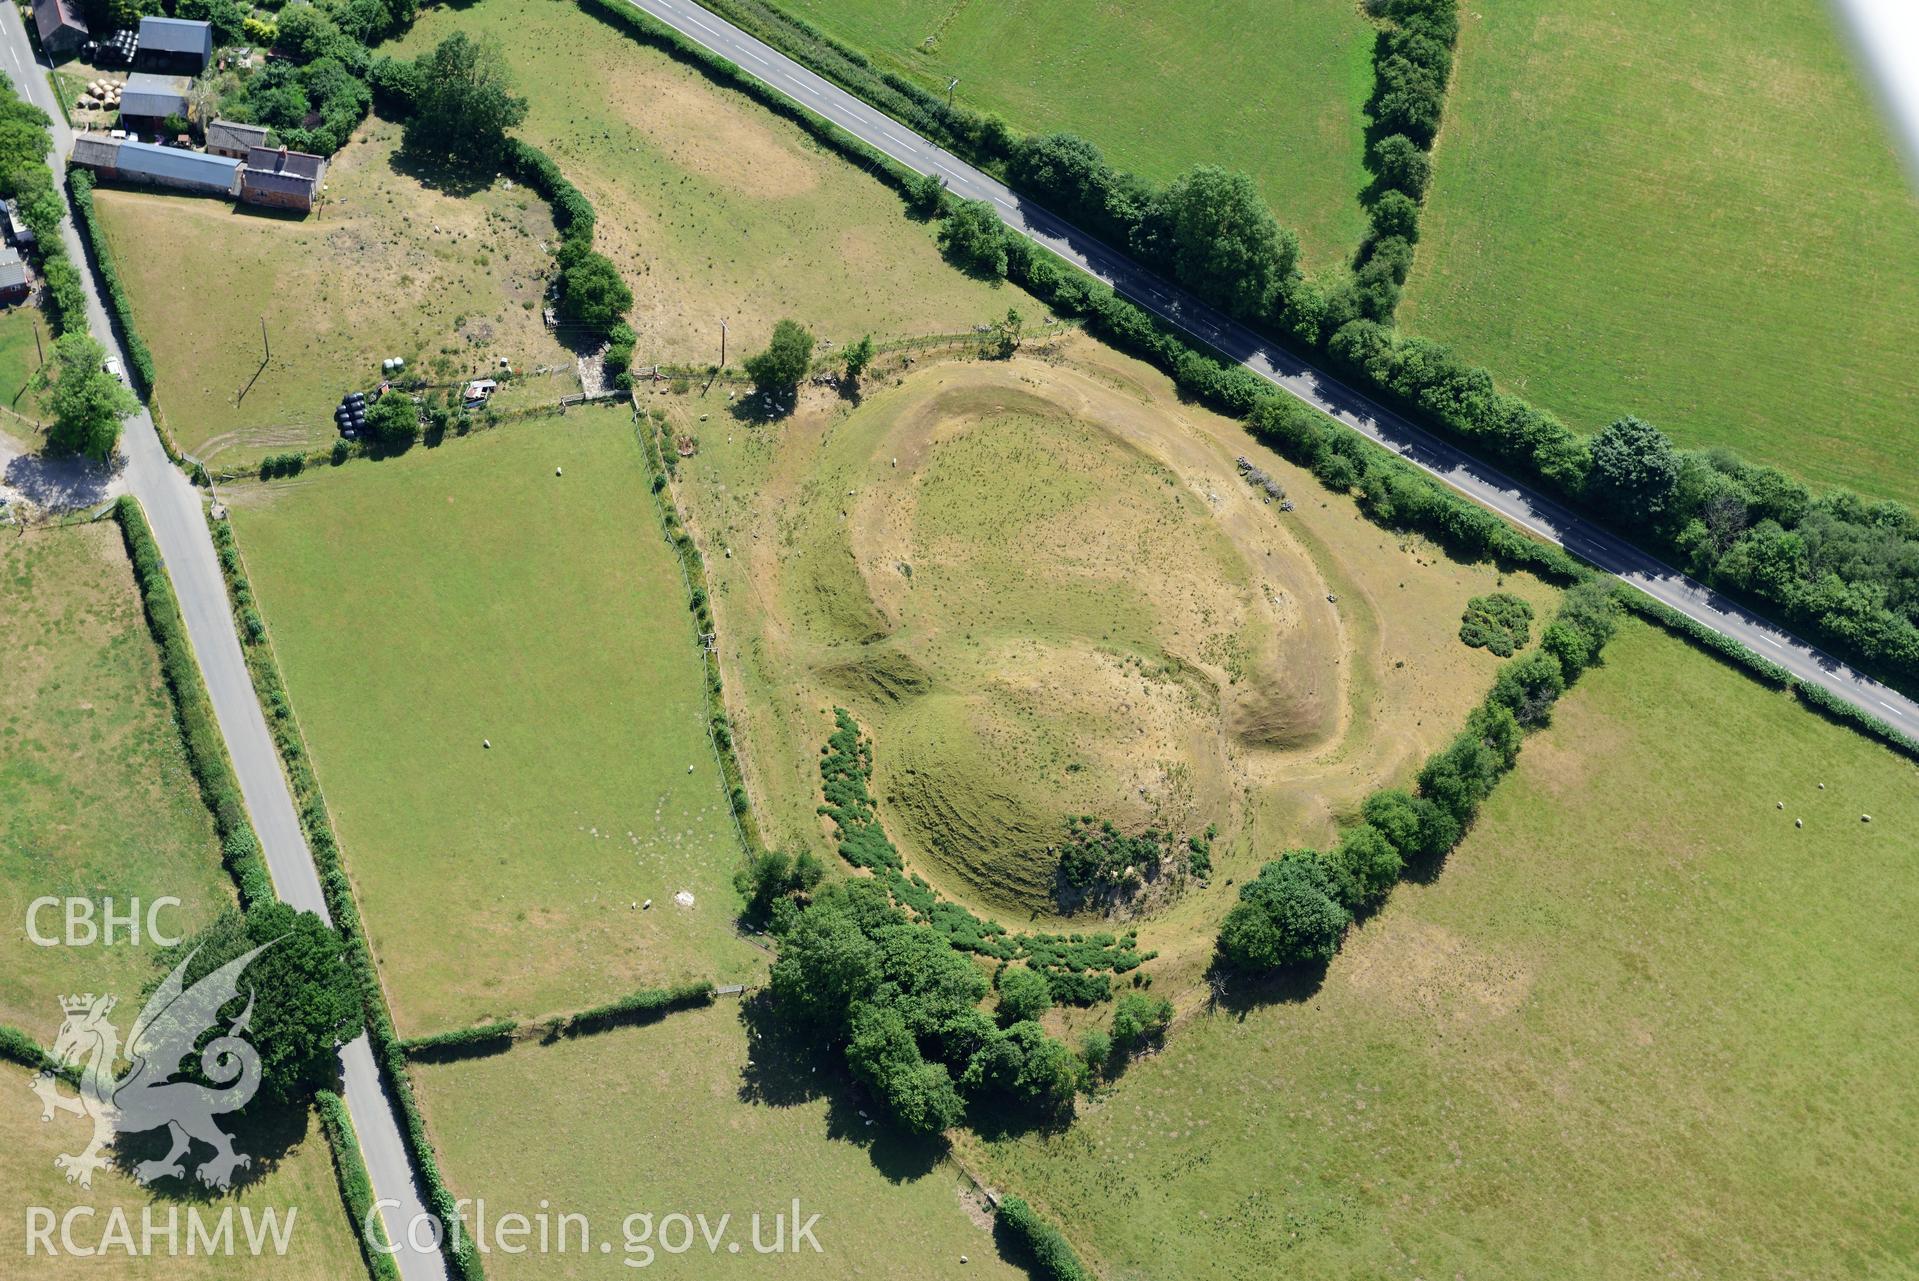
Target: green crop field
681, 1118
1275, 89
713, 208
1690, 213
1638, 1026
388, 267
95, 796
425, 605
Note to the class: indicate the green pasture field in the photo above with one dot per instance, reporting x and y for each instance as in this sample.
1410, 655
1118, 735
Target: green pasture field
690, 1116
714, 208
1639, 1025
388, 266
96, 799
1689, 213
425, 605
1274, 89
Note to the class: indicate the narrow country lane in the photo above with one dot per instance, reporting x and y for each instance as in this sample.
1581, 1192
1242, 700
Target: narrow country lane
1479, 481
173, 509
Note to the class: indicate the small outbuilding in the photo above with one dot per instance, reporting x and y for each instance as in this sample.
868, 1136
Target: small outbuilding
18, 232
148, 99
60, 25
15, 281
175, 44
230, 138
281, 179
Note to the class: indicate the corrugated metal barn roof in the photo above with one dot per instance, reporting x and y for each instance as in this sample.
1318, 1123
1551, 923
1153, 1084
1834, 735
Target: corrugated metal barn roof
175, 35
145, 160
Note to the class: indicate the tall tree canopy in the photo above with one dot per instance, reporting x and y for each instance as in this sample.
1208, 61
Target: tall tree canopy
1213, 229
464, 101
305, 1000
87, 402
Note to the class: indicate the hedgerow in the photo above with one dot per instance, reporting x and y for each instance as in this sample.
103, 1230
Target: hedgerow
199, 730
1835, 566
1051, 1252
356, 1187
1412, 62
466, 1042
1294, 913
645, 1006
139, 355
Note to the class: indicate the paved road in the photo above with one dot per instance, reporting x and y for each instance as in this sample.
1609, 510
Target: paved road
1484, 484
173, 509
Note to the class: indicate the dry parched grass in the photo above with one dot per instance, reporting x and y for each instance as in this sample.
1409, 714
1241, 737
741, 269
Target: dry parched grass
389, 266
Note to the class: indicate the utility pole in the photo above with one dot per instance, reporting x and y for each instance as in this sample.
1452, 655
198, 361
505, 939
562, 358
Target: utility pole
722, 344
950, 85
264, 343
38, 350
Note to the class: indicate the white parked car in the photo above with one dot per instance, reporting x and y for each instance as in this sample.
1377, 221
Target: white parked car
112, 366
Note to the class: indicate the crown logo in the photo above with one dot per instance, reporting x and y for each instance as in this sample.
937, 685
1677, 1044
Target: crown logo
78, 1004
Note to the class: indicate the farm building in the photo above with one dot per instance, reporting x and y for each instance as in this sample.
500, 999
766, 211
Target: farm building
148, 99
144, 162
60, 25
175, 44
226, 138
280, 178
15, 283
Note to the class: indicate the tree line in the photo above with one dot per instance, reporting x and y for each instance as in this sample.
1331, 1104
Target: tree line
1295, 912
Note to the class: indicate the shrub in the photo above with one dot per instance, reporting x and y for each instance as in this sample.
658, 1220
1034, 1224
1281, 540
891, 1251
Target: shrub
1139, 1019
593, 295
1498, 622
1053, 1258
1365, 866
1288, 916
1402, 165
786, 359
1024, 995
1529, 686
974, 239
1396, 214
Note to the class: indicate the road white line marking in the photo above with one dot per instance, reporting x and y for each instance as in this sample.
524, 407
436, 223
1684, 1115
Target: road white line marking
1770, 641
1888, 706
756, 57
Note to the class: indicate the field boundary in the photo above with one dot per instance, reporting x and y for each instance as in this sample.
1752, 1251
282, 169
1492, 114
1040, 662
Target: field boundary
648, 1005
356, 1186
1744, 659
719, 726
193, 710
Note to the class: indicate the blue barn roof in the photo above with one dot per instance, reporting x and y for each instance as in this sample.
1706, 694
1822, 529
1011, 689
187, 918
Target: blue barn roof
176, 35
146, 160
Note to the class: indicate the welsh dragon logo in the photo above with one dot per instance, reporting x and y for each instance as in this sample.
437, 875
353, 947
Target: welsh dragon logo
146, 1097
